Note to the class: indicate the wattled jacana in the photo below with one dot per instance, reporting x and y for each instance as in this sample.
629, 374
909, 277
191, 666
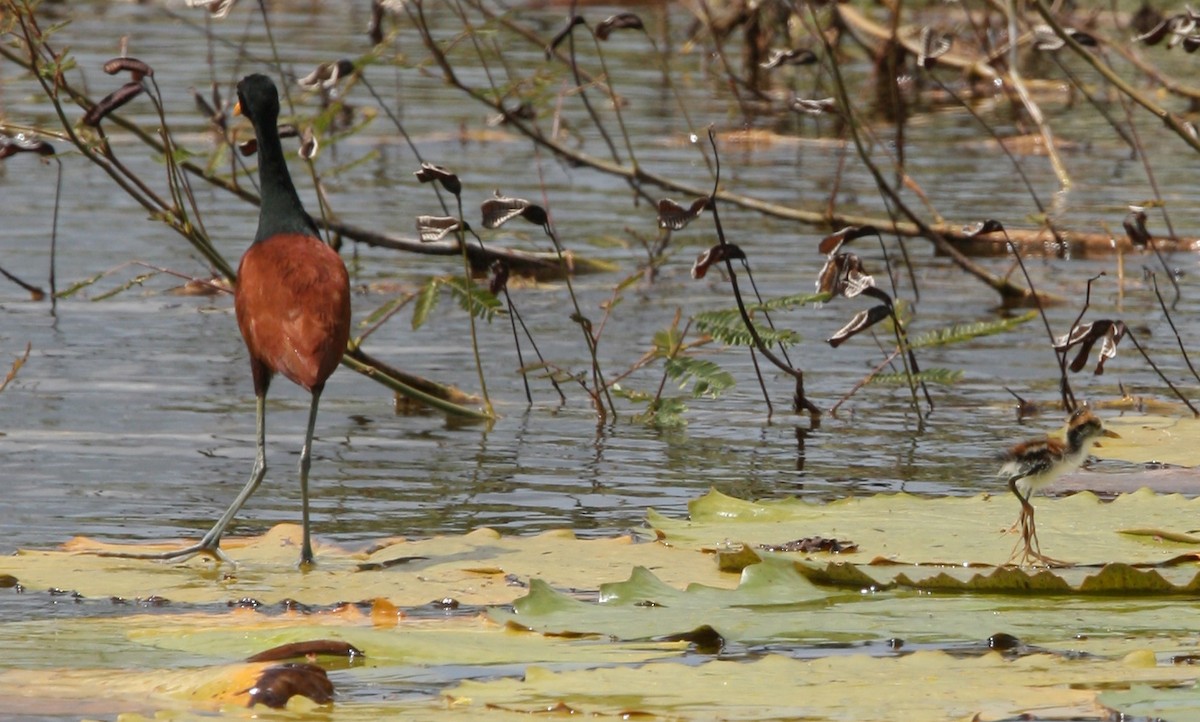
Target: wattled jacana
1033, 464
292, 301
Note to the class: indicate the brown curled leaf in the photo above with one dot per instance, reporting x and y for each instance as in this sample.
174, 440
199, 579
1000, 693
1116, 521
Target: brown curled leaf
279, 684
435, 228
991, 225
308, 144
834, 241
327, 647
111, 102
375, 26
620, 21
327, 75
675, 217
21, 143
1154, 35
843, 275
814, 106
1135, 226
861, 322
791, 56
1105, 331
133, 66
716, 254
499, 210
216, 8
561, 35
934, 44
430, 172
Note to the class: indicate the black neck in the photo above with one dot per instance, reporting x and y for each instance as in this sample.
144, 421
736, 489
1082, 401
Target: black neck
281, 210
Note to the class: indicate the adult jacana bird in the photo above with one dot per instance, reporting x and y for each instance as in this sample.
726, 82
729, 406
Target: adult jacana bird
1033, 464
292, 300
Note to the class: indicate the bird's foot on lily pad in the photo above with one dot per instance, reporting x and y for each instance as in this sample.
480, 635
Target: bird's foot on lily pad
204, 547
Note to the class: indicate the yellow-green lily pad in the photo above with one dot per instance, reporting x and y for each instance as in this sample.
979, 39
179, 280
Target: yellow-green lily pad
1144, 439
481, 567
951, 532
923, 685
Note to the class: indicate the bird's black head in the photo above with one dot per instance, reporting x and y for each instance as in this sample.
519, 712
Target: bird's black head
1084, 426
258, 99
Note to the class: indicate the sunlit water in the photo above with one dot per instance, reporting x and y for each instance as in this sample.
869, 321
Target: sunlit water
133, 418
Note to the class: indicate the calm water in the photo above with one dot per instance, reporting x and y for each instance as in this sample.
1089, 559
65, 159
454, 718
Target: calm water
133, 418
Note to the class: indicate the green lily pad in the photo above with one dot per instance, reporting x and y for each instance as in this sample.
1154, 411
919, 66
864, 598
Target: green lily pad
476, 568
1144, 701
775, 603
1144, 439
945, 533
625, 627
923, 685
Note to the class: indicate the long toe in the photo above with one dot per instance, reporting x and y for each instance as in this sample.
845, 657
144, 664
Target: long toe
212, 550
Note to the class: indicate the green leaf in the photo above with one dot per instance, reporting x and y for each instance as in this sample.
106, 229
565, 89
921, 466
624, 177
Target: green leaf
474, 299
707, 378
965, 332
667, 341
727, 327
665, 412
789, 302
427, 299
945, 377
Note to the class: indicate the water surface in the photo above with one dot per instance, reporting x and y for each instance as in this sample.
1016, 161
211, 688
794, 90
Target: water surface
134, 417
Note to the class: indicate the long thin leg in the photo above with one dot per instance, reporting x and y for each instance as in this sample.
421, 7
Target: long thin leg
1029, 539
306, 552
211, 543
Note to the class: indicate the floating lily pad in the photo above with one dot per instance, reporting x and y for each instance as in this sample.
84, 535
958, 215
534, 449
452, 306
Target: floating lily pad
946, 533
775, 603
923, 685
613, 620
1144, 439
481, 567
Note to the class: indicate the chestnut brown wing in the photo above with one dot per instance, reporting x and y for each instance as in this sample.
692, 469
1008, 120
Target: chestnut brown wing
293, 307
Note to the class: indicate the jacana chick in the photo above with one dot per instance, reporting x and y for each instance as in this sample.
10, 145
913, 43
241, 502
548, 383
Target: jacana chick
1034, 464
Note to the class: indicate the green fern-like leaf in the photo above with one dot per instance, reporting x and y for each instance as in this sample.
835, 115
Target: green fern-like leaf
726, 326
475, 300
945, 377
789, 302
427, 299
707, 378
665, 413
967, 331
